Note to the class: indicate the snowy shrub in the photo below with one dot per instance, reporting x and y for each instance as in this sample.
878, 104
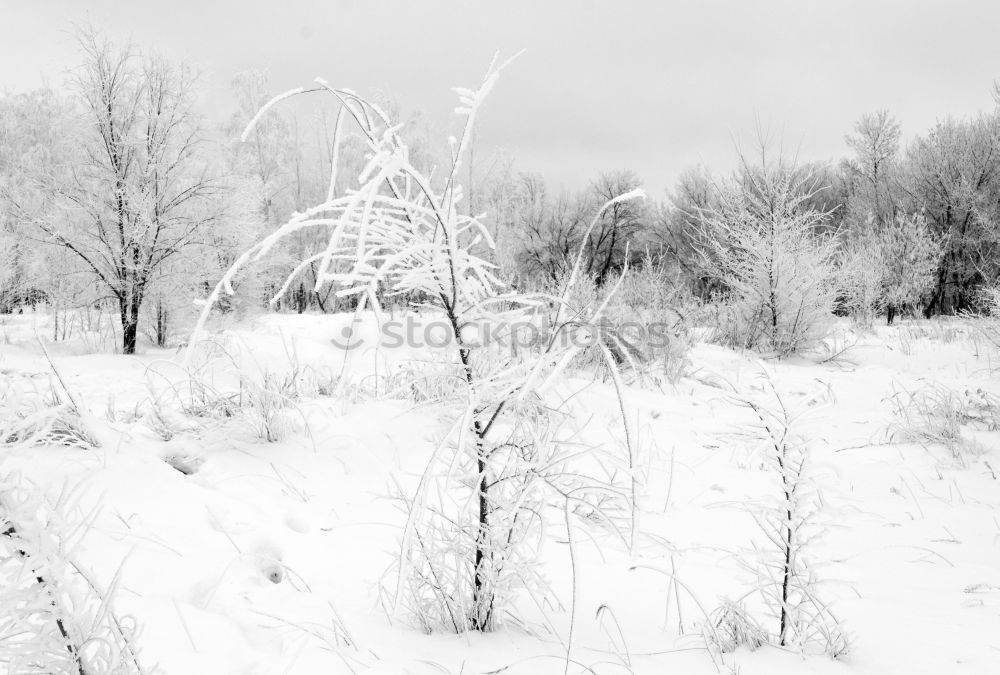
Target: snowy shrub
54, 619
790, 523
268, 409
228, 386
938, 415
29, 415
47, 425
11, 278
656, 300
468, 539
761, 244
986, 320
649, 324
730, 627
861, 280
988, 300
573, 313
911, 256
889, 269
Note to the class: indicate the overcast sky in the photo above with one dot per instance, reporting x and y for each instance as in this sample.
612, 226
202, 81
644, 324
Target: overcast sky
653, 86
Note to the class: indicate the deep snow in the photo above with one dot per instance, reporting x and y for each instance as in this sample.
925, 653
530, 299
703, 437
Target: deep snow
910, 557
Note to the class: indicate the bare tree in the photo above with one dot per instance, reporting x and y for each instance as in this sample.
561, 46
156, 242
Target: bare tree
620, 225
551, 230
139, 196
678, 227
554, 230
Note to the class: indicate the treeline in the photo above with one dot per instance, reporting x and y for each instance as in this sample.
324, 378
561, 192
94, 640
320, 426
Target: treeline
933, 202
117, 195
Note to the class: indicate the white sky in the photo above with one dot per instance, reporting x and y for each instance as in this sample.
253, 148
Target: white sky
650, 85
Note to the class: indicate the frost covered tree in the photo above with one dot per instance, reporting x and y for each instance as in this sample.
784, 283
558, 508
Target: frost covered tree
140, 193
267, 156
861, 279
889, 268
911, 257
953, 178
761, 243
35, 132
875, 142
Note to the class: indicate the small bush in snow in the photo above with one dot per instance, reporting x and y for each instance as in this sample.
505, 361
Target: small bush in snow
652, 296
938, 415
789, 521
862, 280
32, 416
911, 256
987, 322
890, 269
762, 244
989, 300
649, 327
730, 627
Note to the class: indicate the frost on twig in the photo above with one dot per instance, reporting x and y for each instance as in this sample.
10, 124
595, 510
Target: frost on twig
54, 618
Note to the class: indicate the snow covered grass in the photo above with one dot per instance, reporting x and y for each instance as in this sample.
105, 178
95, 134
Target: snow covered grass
55, 617
249, 556
33, 410
938, 415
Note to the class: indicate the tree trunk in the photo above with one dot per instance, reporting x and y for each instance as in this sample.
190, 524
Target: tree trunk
482, 600
130, 324
161, 323
301, 299
929, 308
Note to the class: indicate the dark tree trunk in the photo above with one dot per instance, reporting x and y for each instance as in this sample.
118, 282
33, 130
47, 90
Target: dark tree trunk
162, 318
130, 324
301, 299
129, 331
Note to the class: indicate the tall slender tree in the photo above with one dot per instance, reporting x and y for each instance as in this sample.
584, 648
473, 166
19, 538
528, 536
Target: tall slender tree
875, 142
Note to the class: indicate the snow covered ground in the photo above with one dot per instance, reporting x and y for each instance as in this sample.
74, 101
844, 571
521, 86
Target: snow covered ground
241, 556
